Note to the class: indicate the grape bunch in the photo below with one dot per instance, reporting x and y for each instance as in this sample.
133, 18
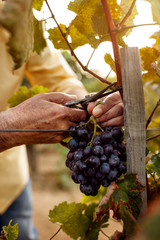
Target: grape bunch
95, 160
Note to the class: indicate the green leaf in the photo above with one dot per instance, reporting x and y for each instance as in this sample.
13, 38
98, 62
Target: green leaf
109, 60
16, 17
156, 159
37, 4
74, 222
10, 232
24, 93
155, 6
39, 41
56, 37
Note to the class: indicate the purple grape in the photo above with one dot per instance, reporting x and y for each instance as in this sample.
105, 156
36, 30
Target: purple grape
67, 163
82, 144
108, 149
82, 133
97, 150
75, 177
73, 144
81, 179
105, 182
121, 147
108, 129
93, 161
90, 172
122, 167
112, 176
103, 158
86, 152
106, 138
82, 166
114, 161
78, 155
70, 155
73, 131
105, 168
96, 140
117, 133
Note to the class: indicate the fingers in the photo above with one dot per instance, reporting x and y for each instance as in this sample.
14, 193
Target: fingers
110, 112
59, 98
75, 115
114, 112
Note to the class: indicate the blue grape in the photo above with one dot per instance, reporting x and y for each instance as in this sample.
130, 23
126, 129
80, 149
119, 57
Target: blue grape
93, 161
73, 144
105, 168
97, 150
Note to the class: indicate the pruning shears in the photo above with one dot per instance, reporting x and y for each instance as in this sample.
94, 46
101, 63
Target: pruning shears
83, 103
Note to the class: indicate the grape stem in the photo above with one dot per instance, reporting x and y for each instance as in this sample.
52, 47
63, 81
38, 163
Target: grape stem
56, 233
96, 125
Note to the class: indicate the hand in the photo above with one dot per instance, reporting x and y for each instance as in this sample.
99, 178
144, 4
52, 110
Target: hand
109, 112
43, 111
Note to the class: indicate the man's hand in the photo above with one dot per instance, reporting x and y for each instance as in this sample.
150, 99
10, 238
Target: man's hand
43, 111
109, 112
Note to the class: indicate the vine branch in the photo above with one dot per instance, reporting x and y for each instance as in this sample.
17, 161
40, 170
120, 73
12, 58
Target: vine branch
151, 138
150, 117
127, 14
114, 39
72, 52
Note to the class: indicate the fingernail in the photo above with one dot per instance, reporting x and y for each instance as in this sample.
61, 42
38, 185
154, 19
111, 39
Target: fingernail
97, 112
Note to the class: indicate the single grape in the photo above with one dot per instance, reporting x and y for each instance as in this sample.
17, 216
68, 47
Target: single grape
105, 182
103, 158
90, 172
97, 150
70, 155
75, 177
82, 144
73, 131
106, 138
99, 175
105, 168
121, 147
67, 163
113, 161
87, 189
117, 133
108, 149
108, 129
78, 155
82, 133
86, 152
73, 144
96, 140
113, 175
93, 161
122, 167
81, 179
82, 166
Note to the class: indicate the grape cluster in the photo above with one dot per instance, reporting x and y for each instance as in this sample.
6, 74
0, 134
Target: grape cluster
95, 160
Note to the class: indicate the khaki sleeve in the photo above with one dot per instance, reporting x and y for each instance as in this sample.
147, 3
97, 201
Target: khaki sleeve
51, 70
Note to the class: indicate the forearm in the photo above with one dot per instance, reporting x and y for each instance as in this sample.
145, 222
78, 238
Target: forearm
7, 139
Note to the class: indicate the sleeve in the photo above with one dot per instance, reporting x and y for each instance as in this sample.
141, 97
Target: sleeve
52, 71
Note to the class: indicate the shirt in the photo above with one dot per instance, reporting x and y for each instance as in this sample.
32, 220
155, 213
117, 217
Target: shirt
48, 69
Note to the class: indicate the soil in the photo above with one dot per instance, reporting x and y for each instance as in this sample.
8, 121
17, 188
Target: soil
52, 186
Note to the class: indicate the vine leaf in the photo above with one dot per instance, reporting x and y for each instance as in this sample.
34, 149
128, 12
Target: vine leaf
10, 232
155, 6
16, 17
24, 93
125, 202
39, 41
77, 220
148, 56
109, 60
156, 159
37, 4
56, 37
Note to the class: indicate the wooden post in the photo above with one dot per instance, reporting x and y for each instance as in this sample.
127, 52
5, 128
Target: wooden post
134, 116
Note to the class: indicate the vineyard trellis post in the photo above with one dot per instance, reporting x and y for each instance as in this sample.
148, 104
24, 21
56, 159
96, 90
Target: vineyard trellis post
134, 116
